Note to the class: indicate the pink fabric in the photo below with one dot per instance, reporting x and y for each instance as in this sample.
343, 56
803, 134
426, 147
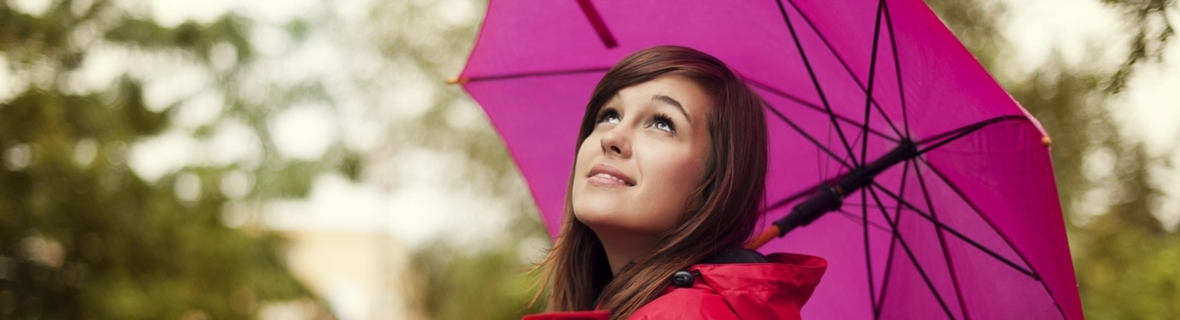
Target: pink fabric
536, 63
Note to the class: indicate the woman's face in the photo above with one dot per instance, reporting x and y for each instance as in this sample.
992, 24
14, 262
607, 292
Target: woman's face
646, 156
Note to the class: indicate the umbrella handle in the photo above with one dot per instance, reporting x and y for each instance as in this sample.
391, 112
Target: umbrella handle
763, 238
830, 197
825, 199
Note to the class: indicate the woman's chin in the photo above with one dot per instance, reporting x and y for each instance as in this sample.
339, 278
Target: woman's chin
595, 204
596, 216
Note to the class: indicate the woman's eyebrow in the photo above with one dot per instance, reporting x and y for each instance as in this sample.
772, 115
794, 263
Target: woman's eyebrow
668, 100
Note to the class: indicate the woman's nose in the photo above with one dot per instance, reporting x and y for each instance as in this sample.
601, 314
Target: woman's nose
617, 142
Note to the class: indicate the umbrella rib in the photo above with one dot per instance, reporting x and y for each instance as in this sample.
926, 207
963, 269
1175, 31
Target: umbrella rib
535, 74
814, 80
820, 160
864, 151
885, 281
942, 138
975, 208
956, 233
905, 116
852, 217
600, 28
807, 136
815, 107
905, 247
864, 147
942, 242
844, 64
864, 217
892, 244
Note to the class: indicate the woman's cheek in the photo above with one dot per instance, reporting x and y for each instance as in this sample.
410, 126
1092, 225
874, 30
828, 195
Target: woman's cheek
683, 175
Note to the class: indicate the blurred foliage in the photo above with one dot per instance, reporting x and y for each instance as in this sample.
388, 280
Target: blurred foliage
448, 281
81, 235
1151, 29
491, 284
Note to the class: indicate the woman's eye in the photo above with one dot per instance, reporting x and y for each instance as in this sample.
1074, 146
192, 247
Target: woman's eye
608, 116
663, 123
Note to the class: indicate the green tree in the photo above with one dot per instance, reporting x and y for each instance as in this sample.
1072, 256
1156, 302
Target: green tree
81, 235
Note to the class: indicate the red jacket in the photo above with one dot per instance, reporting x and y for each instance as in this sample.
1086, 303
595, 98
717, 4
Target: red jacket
773, 290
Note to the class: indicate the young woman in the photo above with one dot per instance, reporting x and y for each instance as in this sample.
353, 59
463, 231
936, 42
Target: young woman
666, 186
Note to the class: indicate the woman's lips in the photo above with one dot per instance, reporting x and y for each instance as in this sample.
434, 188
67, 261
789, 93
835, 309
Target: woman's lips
607, 175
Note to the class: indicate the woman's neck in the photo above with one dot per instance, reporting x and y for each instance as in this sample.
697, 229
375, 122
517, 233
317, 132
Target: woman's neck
622, 248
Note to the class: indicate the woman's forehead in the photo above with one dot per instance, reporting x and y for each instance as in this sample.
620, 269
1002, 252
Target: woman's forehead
673, 91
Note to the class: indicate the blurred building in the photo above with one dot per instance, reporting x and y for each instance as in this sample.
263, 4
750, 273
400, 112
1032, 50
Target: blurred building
346, 259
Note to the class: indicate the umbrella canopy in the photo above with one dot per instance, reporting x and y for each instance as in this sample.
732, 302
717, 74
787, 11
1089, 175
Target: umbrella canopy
963, 222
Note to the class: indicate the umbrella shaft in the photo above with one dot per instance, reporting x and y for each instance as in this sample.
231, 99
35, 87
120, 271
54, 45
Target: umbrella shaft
829, 198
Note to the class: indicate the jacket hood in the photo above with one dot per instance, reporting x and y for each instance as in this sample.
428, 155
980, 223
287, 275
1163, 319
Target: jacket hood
776, 289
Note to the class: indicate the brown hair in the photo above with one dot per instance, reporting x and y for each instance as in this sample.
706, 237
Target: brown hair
723, 211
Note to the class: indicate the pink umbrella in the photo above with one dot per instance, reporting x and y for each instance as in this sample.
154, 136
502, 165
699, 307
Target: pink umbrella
940, 186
